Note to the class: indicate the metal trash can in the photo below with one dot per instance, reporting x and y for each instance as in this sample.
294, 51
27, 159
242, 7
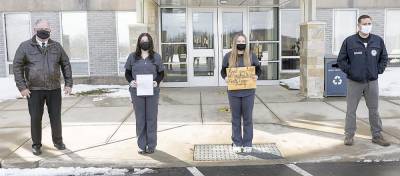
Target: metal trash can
335, 79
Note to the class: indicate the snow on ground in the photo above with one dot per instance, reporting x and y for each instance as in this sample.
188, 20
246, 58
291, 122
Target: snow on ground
63, 171
116, 90
389, 82
8, 90
292, 83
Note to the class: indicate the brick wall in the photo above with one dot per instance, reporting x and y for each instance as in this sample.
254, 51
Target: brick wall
102, 43
326, 15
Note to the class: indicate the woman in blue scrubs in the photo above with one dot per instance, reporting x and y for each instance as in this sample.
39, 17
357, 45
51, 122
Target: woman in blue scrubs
145, 61
241, 101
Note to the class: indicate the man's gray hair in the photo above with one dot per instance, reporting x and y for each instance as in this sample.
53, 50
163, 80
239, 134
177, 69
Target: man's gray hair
41, 20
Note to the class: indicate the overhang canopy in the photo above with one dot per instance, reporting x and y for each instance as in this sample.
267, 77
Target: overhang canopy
284, 3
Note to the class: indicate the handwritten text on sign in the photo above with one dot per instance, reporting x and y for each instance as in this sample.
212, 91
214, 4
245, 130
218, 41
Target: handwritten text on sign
241, 78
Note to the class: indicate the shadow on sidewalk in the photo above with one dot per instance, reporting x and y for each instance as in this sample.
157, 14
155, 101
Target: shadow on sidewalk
168, 159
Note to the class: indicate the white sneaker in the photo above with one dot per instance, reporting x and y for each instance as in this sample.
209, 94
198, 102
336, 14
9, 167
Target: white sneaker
247, 149
142, 152
236, 149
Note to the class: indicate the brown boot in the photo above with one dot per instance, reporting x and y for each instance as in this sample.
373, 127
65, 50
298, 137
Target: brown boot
348, 140
380, 141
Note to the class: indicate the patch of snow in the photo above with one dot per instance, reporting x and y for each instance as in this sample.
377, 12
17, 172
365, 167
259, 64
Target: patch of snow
63, 171
392, 150
144, 171
292, 83
389, 82
8, 89
116, 90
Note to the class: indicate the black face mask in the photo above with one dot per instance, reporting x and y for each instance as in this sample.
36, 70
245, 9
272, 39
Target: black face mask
42, 34
240, 47
144, 46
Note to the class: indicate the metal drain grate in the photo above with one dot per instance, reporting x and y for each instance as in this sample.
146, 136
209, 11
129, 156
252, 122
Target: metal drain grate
224, 152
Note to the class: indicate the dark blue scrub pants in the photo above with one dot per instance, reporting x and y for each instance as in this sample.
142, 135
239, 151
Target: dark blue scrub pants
242, 107
146, 110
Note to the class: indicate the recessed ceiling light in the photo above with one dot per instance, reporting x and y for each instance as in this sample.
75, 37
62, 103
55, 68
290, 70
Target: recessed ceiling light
223, 1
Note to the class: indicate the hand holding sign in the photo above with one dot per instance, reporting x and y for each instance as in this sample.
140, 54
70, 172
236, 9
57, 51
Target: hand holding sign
240, 78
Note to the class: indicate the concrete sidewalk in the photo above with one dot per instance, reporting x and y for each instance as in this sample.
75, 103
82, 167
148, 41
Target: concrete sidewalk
100, 131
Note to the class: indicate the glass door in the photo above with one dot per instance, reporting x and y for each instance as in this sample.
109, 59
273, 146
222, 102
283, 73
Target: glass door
202, 41
231, 22
174, 46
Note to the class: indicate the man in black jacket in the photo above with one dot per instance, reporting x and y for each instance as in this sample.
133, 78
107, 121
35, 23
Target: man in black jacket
36, 69
363, 57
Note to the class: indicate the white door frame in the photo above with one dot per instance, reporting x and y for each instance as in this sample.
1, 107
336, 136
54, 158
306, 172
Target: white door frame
202, 80
221, 50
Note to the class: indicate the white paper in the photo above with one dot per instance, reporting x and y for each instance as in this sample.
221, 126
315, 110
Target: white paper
144, 85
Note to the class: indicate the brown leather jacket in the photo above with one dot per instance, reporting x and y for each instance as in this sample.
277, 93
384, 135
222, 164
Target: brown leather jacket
39, 69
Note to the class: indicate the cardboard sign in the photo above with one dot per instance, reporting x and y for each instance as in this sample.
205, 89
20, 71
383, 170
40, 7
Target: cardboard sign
240, 78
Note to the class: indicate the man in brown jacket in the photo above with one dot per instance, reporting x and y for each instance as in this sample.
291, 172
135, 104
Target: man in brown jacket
37, 75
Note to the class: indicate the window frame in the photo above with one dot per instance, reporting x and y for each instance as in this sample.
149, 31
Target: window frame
281, 70
384, 35
8, 63
87, 42
333, 25
119, 60
173, 83
277, 41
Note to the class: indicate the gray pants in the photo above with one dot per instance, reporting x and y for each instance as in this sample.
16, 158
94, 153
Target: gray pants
242, 107
146, 110
355, 91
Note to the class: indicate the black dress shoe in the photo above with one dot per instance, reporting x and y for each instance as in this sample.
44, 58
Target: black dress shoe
60, 146
36, 151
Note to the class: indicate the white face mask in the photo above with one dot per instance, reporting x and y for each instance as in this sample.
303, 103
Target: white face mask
366, 29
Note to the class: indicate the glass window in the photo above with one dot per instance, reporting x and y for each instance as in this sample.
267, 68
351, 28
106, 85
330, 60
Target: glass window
267, 54
80, 68
265, 51
263, 24
173, 46
269, 71
203, 30
74, 35
203, 66
344, 25
173, 25
18, 29
290, 64
290, 31
232, 25
174, 57
126, 40
392, 32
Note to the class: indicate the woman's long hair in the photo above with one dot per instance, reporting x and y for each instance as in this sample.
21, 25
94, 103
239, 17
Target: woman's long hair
233, 58
138, 51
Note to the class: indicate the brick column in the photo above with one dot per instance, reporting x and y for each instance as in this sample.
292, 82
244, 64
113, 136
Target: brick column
312, 36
